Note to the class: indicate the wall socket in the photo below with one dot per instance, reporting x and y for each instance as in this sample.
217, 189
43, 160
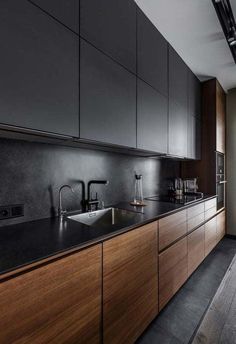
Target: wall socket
10, 211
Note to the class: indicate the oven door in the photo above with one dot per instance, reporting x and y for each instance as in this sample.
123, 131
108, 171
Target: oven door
220, 190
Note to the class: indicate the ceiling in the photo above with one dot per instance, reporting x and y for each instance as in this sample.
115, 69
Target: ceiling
193, 29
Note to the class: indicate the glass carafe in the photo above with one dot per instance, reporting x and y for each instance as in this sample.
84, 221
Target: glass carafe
138, 189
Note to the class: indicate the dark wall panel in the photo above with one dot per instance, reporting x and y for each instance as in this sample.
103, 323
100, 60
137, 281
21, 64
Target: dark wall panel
31, 173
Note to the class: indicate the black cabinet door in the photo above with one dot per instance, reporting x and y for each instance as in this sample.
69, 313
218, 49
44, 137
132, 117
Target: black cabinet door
152, 54
178, 128
194, 138
39, 70
66, 11
178, 79
152, 119
110, 25
194, 95
107, 99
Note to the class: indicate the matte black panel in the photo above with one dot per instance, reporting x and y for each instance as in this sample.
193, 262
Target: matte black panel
108, 99
152, 120
152, 58
178, 127
194, 138
111, 26
39, 70
194, 95
66, 11
32, 173
178, 79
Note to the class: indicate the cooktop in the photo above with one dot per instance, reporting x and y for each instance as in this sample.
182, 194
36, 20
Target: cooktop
184, 199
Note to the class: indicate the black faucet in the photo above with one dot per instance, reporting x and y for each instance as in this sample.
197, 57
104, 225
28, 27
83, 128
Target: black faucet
94, 202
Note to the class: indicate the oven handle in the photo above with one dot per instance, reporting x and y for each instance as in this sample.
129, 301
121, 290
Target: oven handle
222, 182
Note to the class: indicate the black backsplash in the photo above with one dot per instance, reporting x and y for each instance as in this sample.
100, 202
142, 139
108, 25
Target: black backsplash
32, 173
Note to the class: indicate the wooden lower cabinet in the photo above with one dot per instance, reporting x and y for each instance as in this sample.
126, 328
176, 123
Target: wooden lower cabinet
130, 284
56, 303
220, 226
196, 245
173, 270
172, 228
210, 235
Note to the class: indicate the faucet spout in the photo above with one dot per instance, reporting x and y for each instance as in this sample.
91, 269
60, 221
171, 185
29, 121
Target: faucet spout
62, 212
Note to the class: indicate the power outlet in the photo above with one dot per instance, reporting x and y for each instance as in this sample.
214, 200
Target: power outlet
11, 211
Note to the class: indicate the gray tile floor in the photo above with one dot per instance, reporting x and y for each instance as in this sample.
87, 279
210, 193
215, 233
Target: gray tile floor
178, 321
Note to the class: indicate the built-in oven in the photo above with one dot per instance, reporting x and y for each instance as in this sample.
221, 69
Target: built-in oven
220, 180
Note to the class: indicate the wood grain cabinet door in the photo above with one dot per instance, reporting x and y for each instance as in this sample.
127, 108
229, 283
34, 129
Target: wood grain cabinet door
57, 303
210, 235
173, 271
220, 226
172, 228
130, 284
196, 244
39, 71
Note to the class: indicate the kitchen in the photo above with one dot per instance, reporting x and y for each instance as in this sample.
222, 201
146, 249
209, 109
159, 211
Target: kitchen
117, 221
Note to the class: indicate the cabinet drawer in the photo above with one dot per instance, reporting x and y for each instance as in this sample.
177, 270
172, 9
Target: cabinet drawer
174, 219
210, 235
220, 226
210, 212
57, 303
210, 204
195, 210
196, 251
195, 221
130, 284
169, 234
173, 271
171, 228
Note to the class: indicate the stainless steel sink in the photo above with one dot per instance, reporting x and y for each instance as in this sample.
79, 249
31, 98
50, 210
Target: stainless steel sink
104, 217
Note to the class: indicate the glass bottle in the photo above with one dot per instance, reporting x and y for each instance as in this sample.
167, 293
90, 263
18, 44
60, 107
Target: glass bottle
138, 189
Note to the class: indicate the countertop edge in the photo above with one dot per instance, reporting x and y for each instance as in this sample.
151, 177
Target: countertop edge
58, 255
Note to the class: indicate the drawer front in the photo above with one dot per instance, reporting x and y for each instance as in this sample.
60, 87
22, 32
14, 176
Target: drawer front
169, 234
210, 235
195, 210
210, 204
172, 228
196, 246
210, 212
196, 221
220, 226
175, 219
173, 271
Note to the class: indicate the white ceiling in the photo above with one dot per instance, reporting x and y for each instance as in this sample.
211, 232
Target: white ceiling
193, 29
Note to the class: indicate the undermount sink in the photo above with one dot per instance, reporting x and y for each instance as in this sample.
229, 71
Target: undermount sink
104, 217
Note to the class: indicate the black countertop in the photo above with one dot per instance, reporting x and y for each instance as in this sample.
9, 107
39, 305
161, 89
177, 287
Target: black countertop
31, 242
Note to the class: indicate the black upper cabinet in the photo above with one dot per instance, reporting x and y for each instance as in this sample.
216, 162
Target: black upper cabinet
152, 54
152, 119
39, 70
110, 25
178, 129
178, 79
66, 11
194, 138
194, 94
108, 99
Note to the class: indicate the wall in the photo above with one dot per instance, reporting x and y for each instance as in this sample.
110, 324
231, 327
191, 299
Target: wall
32, 173
231, 161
